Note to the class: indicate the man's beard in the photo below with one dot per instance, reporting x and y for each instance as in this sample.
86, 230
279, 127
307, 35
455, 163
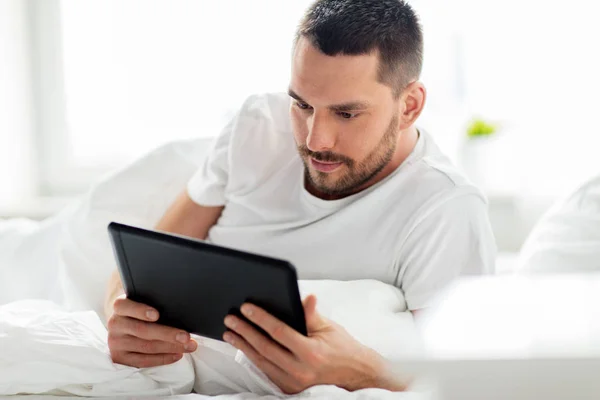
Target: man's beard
358, 174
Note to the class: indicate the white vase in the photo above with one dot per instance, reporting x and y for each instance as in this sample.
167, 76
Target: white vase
478, 159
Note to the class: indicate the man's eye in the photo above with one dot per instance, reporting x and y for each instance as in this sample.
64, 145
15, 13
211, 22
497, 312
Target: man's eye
347, 115
302, 106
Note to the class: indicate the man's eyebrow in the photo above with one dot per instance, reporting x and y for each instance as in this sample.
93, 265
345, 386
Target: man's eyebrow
344, 107
350, 106
296, 96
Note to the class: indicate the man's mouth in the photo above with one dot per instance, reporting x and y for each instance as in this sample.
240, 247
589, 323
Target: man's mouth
323, 166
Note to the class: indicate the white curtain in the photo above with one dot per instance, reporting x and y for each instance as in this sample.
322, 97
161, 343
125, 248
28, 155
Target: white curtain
17, 162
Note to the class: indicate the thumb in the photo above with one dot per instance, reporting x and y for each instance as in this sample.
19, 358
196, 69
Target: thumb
314, 321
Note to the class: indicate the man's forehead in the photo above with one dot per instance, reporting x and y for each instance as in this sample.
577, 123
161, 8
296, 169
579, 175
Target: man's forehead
310, 63
334, 79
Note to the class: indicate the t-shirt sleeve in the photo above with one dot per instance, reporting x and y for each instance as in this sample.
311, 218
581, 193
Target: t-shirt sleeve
207, 186
454, 239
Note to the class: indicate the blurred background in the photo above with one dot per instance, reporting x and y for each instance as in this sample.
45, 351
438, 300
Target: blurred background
87, 86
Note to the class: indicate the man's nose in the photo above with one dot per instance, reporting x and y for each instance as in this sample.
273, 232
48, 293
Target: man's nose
321, 133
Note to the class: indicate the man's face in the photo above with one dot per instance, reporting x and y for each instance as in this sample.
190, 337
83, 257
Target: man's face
345, 121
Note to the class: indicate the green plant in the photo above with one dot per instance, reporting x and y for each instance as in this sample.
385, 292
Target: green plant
480, 128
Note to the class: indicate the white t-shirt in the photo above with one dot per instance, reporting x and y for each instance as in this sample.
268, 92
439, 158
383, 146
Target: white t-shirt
417, 229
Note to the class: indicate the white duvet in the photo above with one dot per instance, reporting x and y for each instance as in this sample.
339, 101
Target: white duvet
52, 281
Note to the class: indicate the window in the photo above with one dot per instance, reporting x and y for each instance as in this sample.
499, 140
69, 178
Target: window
117, 78
131, 75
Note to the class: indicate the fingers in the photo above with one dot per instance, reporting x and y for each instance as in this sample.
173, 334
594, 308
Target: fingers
276, 374
310, 303
146, 360
141, 353
131, 344
136, 319
147, 330
314, 321
263, 345
277, 329
129, 308
134, 338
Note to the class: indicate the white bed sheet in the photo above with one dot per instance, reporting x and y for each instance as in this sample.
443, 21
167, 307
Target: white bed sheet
369, 394
46, 349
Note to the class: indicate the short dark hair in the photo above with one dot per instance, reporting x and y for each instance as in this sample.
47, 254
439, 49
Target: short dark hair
356, 27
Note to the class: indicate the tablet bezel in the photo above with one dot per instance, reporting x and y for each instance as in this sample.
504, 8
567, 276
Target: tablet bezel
119, 247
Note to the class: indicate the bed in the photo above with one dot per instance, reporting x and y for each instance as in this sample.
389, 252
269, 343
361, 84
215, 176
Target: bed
52, 282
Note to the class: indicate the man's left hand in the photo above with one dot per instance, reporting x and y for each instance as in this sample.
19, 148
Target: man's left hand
294, 362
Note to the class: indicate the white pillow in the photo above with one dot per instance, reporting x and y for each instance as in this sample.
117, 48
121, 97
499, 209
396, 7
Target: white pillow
139, 194
567, 238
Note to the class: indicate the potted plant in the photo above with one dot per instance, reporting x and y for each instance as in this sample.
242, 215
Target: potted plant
478, 151
479, 128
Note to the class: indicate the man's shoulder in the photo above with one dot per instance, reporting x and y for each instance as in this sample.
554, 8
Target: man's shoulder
446, 179
262, 136
262, 119
435, 180
441, 166
271, 107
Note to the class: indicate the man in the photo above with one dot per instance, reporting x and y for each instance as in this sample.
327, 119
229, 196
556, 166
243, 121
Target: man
337, 180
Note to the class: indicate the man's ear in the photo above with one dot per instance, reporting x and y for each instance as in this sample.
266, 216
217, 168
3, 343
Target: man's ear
412, 102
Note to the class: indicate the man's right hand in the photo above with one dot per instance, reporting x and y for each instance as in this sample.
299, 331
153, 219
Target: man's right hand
135, 339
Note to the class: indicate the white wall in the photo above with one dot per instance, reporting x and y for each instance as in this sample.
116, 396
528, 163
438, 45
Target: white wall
17, 169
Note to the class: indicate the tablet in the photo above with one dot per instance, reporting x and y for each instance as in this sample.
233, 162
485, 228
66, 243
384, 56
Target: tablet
194, 285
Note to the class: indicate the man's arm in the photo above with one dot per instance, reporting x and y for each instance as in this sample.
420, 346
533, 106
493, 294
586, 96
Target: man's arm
184, 217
